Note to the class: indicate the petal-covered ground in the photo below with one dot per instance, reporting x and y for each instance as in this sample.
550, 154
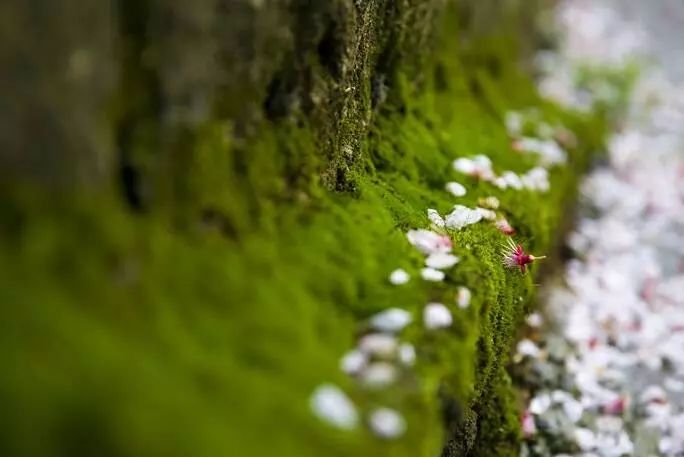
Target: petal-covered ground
606, 376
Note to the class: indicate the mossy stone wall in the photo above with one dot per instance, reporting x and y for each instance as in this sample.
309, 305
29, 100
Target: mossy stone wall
201, 202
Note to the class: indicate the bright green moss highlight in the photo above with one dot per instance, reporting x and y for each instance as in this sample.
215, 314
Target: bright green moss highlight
202, 326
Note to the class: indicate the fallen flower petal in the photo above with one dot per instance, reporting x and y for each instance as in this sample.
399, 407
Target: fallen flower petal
503, 226
455, 189
463, 297
353, 362
441, 261
378, 375
428, 242
379, 344
430, 274
391, 320
436, 220
330, 404
462, 216
436, 315
399, 277
387, 423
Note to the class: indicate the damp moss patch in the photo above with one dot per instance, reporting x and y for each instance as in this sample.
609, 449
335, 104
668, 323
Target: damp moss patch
202, 326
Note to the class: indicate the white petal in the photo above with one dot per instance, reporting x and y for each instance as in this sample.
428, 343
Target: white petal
462, 216
482, 161
435, 218
430, 274
463, 297
540, 404
528, 348
387, 423
585, 438
399, 277
378, 375
436, 315
455, 189
441, 260
353, 361
379, 344
512, 180
535, 320
573, 409
391, 320
407, 354
464, 165
500, 182
329, 403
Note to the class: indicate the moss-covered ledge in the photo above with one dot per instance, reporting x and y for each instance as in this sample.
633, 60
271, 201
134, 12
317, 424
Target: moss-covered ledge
214, 226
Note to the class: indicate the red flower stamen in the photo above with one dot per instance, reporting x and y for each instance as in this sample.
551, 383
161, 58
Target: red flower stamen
515, 256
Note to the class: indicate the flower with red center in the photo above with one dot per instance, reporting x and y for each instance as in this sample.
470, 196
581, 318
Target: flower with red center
515, 256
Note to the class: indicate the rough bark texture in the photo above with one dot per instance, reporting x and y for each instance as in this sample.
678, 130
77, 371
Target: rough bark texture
200, 203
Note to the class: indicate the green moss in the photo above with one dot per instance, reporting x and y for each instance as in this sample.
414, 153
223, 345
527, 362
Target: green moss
201, 326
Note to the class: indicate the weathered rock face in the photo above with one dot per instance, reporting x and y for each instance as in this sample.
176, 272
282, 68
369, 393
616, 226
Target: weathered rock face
201, 201
92, 84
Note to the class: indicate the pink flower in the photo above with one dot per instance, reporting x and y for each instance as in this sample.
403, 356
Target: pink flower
529, 428
515, 256
615, 407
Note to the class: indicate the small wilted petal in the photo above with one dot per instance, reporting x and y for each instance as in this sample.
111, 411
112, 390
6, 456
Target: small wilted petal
504, 226
353, 362
330, 404
399, 277
463, 297
387, 423
486, 213
490, 202
430, 274
462, 216
455, 189
435, 218
441, 261
391, 320
407, 354
436, 315
378, 375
